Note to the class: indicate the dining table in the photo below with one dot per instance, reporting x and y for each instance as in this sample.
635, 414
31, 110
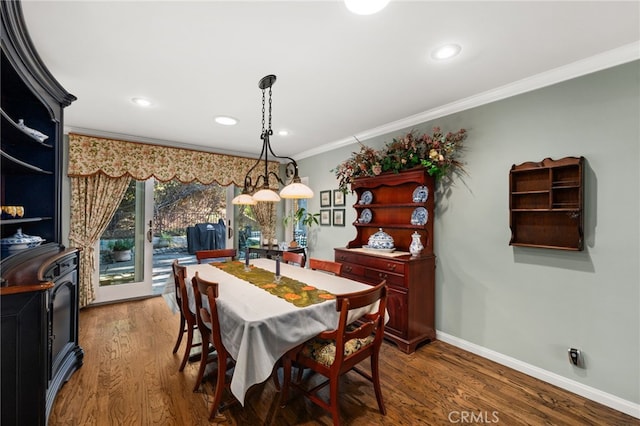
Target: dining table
257, 326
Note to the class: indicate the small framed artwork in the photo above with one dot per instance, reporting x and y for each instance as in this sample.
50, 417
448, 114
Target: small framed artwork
325, 217
325, 198
338, 217
338, 198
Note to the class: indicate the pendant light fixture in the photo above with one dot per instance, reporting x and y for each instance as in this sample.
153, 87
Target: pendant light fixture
260, 190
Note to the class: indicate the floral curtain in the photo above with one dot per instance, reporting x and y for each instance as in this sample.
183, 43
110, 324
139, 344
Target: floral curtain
101, 169
94, 200
89, 155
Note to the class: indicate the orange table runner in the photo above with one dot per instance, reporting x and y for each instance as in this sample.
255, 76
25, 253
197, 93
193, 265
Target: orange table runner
298, 293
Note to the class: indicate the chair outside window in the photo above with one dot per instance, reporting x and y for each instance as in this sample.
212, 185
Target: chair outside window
333, 353
326, 265
225, 361
224, 254
293, 258
188, 322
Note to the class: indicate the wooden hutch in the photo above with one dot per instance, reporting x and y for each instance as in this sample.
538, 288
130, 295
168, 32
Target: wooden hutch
39, 285
410, 280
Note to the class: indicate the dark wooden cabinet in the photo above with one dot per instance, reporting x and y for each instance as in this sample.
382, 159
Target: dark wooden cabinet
546, 204
39, 285
410, 279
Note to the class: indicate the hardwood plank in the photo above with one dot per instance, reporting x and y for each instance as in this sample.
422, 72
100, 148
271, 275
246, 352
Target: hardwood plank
130, 377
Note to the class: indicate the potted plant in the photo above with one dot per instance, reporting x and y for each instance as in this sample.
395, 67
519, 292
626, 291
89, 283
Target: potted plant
121, 249
300, 216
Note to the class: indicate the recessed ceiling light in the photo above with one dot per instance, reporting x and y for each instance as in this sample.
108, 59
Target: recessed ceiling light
141, 102
365, 7
226, 121
446, 51
283, 132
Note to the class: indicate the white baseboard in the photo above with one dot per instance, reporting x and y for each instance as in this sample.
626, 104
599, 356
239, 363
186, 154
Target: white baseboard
578, 388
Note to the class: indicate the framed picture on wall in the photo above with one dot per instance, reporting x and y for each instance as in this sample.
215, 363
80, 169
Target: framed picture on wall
325, 198
338, 198
325, 217
338, 217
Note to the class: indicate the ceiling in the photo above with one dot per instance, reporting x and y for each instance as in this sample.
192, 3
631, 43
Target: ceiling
339, 75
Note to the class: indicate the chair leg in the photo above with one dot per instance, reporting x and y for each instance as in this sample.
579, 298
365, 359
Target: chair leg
187, 350
180, 333
204, 360
375, 378
286, 381
333, 399
220, 384
276, 382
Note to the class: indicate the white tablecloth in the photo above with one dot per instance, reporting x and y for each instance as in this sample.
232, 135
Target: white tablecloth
257, 327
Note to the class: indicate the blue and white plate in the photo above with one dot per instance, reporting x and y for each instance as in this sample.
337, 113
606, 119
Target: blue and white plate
420, 194
366, 198
419, 216
366, 216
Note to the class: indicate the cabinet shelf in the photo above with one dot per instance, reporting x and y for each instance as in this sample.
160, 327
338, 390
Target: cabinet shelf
546, 202
23, 220
12, 132
388, 205
388, 225
12, 165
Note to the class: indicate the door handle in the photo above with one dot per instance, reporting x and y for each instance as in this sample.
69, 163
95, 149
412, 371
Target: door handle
230, 229
150, 232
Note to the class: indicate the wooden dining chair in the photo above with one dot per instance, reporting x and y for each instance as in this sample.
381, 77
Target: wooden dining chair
326, 265
333, 353
227, 254
225, 361
295, 258
188, 322
199, 289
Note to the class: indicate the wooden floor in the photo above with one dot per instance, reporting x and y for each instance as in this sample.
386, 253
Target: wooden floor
130, 377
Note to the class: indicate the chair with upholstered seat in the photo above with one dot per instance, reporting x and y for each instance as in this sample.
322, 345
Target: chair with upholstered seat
293, 258
225, 361
333, 353
188, 322
326, 265
226, 254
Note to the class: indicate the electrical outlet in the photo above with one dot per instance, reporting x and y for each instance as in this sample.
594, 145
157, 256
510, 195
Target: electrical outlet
575, 357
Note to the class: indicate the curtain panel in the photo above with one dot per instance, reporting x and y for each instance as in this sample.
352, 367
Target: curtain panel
100, 170
89, 155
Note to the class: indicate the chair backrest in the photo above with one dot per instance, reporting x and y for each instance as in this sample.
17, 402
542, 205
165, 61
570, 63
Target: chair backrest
216, 254
290, 257
210, 316
326, 265
179, 278
200, 287
372, 322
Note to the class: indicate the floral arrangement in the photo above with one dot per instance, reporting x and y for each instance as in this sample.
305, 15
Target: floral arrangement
438, 153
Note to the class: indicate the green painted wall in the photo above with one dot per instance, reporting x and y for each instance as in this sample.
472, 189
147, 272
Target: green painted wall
525, 303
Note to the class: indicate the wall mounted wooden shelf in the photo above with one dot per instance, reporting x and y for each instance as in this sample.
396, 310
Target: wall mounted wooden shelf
546, 204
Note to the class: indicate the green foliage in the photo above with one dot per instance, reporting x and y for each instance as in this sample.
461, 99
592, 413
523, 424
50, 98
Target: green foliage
121, 245
302, 216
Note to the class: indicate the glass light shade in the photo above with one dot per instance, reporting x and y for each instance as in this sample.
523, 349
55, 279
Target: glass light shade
296, 190
266, 194
244, 199
365, 7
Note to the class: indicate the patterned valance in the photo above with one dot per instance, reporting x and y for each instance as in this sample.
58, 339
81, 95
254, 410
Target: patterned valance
89, 155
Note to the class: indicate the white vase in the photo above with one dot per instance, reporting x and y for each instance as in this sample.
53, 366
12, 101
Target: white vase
416, 245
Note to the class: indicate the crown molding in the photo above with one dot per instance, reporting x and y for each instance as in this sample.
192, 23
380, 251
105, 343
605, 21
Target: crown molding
621, 55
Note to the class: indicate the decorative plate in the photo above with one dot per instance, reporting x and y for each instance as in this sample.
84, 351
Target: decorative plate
365, 216
419, 216
420, 194
366, 198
